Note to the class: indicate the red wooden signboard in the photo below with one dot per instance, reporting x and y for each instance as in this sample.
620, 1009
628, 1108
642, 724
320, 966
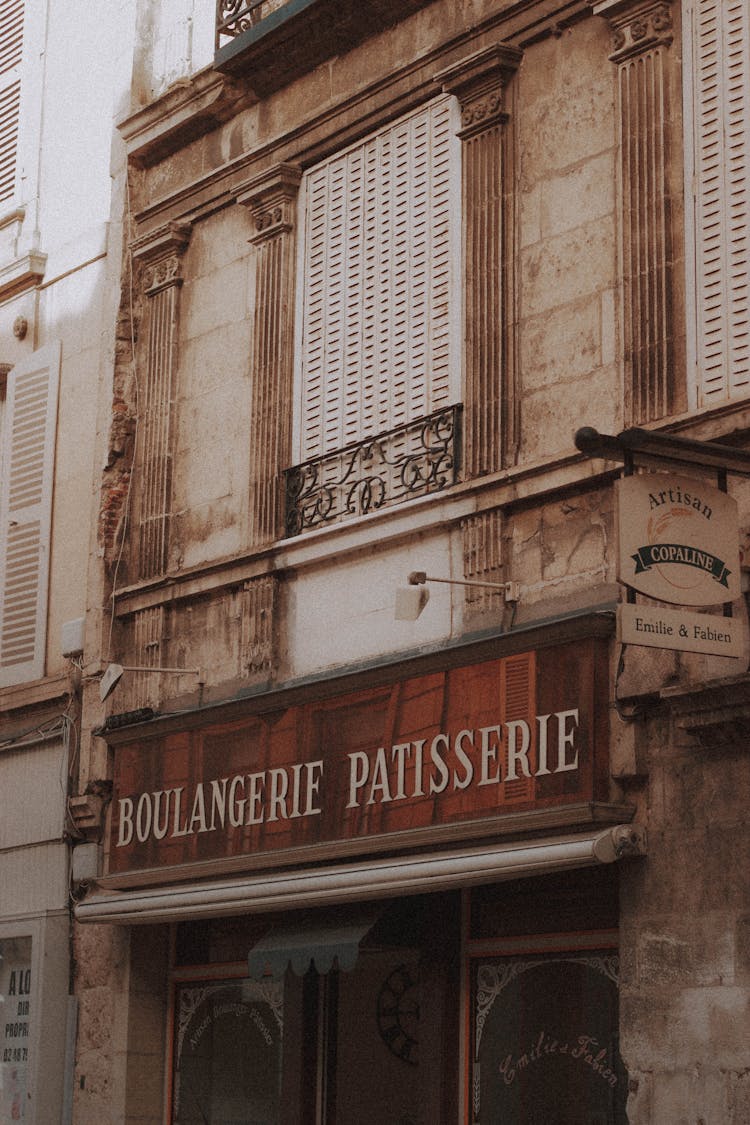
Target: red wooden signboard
522, 732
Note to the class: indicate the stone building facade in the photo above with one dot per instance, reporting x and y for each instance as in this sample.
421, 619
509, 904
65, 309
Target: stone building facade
479, 859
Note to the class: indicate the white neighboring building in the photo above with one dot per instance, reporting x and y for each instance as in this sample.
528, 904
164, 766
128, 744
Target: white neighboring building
60, 63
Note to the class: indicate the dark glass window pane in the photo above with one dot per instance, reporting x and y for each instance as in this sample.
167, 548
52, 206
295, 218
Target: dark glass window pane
544, 1040
228, 1052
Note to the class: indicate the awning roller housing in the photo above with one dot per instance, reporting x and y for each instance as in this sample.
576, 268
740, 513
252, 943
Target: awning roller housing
359, 882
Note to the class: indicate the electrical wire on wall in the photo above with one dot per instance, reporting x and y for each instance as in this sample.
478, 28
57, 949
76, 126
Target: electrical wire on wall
71, 745
30, 736
64, 728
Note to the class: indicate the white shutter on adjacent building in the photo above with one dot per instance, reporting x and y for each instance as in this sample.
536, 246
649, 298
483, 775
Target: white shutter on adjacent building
11, 49
377, 262
26, 477
721, 114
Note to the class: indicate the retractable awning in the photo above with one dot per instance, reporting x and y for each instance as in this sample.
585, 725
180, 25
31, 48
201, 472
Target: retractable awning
300, 947
260, 892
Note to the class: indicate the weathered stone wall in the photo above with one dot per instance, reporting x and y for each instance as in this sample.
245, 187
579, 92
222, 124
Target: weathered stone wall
247, 614
211, 463
684, 926
122, 985
567, 273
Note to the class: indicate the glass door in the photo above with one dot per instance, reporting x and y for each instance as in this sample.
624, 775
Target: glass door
544, 1040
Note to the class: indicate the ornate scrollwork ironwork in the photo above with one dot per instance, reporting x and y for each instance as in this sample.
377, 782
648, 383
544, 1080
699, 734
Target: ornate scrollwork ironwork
235, 16
411, 460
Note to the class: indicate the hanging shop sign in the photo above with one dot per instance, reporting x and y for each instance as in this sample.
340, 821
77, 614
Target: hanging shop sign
679, 543
679, 540
427, 753
657, 627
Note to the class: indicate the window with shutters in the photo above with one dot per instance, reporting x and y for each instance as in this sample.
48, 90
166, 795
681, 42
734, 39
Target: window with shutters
719, 107
11, 49
377, 319
26, 468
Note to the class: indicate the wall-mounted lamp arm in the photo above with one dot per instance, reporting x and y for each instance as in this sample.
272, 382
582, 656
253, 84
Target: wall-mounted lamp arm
410, 603
112, 675
511, 590
150, 668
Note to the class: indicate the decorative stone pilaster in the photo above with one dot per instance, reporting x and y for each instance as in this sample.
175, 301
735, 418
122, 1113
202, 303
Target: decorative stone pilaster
271, 200
642, 32
160, 254
479, 82
257, 618
483, 561
144, 649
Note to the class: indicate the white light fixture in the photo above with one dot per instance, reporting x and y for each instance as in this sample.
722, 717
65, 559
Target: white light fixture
111, 677
411, 600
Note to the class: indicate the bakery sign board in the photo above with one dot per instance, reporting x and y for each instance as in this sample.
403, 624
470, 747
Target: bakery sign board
678, 543
422, 758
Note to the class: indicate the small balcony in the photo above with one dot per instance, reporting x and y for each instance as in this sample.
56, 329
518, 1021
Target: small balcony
272, 42
412, 460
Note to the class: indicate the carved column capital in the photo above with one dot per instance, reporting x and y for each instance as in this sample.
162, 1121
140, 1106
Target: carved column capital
271, 198
161, 253
637, 25
478, 82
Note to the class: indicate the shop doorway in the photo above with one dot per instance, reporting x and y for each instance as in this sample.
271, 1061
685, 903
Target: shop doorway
544, 1004
375, 1044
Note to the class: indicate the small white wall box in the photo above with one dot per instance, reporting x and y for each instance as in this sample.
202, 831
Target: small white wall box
72, 637
85, 866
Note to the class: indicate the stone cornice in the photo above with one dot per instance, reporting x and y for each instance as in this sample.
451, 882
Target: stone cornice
22, 274
717, 714
15, 215
342, 123
184, 113
34, 694
637, 25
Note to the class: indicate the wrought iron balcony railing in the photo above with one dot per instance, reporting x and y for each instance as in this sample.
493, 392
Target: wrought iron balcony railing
235, 16
273, 42
412, 460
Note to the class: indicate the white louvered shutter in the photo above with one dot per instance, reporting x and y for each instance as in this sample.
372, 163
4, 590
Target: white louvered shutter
377, 273
721, 89
26, 472
11, 49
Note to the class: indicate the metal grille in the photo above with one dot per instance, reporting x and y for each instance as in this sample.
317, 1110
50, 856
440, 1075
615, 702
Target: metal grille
235, 16
411, 460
